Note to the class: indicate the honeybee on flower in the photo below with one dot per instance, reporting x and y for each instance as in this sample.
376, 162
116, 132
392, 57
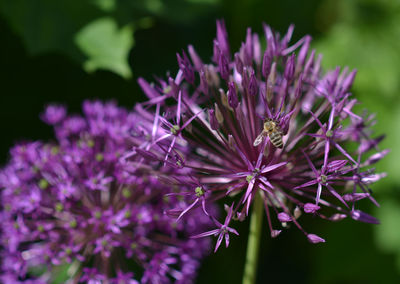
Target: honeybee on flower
270, 129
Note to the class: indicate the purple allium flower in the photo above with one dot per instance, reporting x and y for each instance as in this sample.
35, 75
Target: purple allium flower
89, 200
262, 122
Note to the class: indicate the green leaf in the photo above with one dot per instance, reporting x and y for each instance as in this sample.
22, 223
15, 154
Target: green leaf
106, 46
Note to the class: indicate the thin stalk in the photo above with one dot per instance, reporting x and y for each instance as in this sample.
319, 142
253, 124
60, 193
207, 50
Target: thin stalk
253, 242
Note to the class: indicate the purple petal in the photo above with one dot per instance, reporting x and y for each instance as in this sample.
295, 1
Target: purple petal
335, 165
218, 242
319, 190
275, 233
203, 206
222, 38
150, 92
309, 183
307, 67
173, 213
352, 197
186, 67
179, 107
363, 217
169, 149
244, 158
261, 154
337, 195
344, 152
326, 152
229, 215
206, 234
191, 119
288, 35
226, 240
271, 44
367, 145
266, 182
188, 208
349, 80
273, 167
317, 120
315, 135
376, 157
198, 64
303, 51
373, 178
289, 68
311, 164
331, 118
249, 189
233, 231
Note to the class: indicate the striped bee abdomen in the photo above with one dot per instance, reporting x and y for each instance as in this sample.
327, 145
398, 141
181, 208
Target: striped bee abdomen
276, 139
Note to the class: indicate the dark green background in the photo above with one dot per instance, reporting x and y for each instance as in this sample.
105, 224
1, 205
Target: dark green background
40, 64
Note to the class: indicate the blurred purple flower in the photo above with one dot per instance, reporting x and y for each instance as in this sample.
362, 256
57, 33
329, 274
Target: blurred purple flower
263, 122
89, 200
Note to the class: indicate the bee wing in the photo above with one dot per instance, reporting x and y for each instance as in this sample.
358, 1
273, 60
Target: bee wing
259, 139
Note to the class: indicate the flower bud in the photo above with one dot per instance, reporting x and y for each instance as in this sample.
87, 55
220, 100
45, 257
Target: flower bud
311, 208
284, 217
232, 95
315, 239
266, 65
253, 88
186, 67
238, 63
213, 120
223, 67
289, 68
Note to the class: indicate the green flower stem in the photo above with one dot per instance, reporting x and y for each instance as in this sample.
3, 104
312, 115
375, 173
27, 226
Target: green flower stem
253, 243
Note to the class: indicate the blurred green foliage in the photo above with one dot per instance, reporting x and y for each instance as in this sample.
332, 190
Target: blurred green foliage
88, 31
47, 43
388, 235
105, 5
49, 25
366, 36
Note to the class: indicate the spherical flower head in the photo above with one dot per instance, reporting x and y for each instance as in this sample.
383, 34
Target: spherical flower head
88, 199
267, 123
